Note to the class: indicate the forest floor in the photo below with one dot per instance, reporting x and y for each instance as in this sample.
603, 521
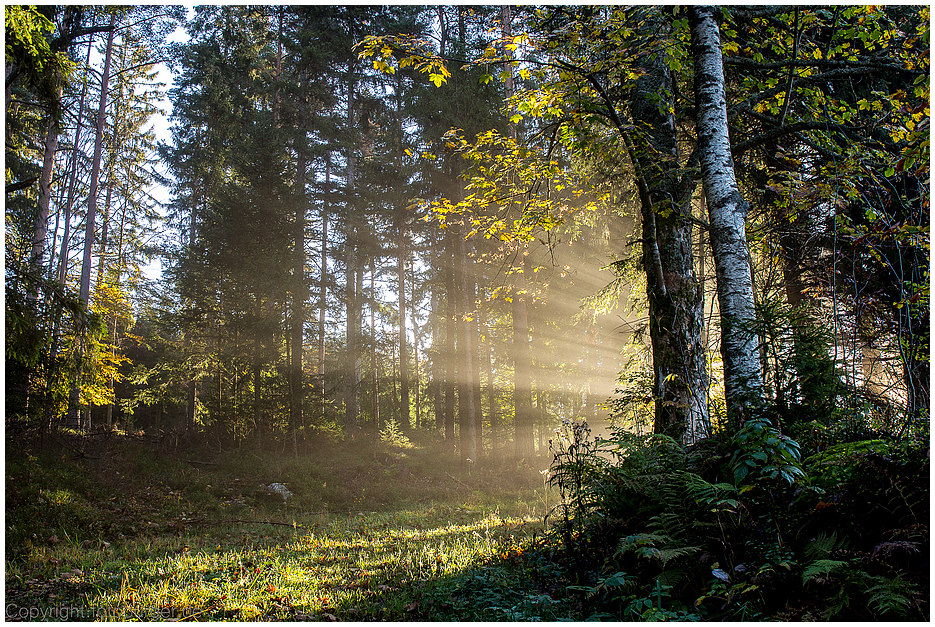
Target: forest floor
111, 528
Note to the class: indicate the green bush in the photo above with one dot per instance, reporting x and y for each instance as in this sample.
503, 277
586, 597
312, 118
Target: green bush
741, 528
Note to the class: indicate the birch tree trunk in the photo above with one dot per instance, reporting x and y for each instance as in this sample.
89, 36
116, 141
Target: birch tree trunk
726, 212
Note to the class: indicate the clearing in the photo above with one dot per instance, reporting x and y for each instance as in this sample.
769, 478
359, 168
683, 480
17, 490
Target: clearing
108, 527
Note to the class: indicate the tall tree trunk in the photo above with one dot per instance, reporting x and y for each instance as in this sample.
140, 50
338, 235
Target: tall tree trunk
323, 283
191, 396
73, 176
726, 211
351, 406
492, 413
402, 257
108, 196
415, 349
300, 293
85, 284
353, 273
471, 307
84, 291
436, 352
53, 237
105, 226
522, 393
466, 417
541, 416
676, 306
449, 348
522, 366
374, 377
41, 230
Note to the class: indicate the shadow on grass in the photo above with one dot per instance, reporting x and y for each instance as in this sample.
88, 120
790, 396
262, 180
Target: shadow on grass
393, 565
182, 547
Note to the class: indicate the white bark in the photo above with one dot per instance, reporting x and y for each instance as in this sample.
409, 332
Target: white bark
726, 211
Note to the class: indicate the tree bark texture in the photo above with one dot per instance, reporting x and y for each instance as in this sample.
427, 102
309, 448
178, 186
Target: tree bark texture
676, 312
726, 212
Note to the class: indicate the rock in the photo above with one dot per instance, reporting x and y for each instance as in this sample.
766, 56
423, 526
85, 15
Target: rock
280, 489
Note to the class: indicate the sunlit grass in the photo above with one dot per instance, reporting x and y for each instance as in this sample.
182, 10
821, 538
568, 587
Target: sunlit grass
360, 548
352, 565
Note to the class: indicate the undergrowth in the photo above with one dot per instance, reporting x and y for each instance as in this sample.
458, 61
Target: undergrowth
741, 528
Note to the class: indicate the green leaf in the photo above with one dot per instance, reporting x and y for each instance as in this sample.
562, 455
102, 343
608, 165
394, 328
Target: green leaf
820, 568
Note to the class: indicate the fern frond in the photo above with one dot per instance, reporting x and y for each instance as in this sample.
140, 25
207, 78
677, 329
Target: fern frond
821, 547
890, 598
821, 568
674, 553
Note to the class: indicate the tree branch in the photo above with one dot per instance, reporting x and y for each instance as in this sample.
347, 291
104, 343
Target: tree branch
15, 187
864, 63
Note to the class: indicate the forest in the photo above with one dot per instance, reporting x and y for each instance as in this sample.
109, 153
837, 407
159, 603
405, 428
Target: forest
480, 313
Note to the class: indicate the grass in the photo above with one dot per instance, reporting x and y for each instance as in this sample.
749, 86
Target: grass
374, 531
